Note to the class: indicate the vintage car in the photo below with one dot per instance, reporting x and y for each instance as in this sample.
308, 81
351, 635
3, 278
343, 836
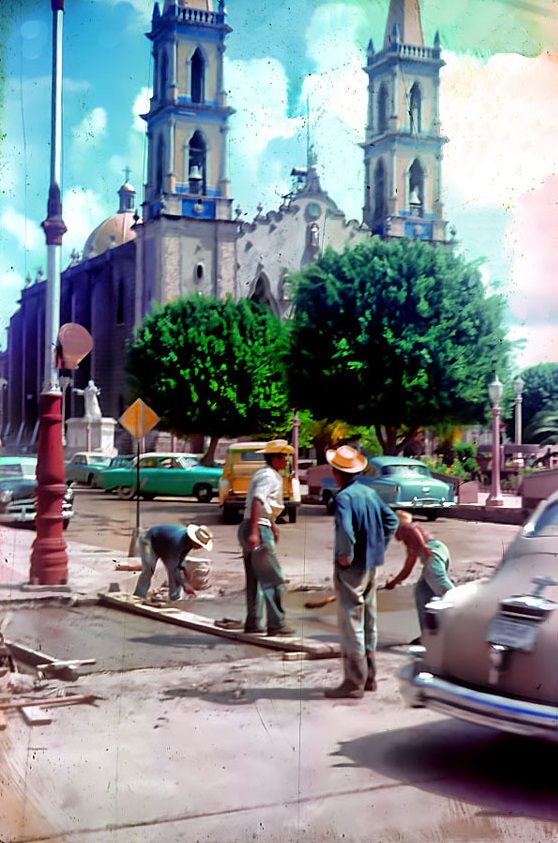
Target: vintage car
241, 462
488, 652
85, 467
173, 475
401, 482
18, 487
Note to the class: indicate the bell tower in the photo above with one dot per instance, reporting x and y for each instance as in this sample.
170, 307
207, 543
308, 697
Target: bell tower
187, 241
187, 122
403, 144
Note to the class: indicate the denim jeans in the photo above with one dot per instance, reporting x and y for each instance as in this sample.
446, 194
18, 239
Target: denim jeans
148, 565
265, 581
356, 615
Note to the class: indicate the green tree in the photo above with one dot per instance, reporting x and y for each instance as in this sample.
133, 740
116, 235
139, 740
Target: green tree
540, 394
212, 367
543, 427
398, 334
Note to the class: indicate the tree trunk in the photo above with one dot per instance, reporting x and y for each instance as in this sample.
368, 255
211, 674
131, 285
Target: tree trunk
208, 458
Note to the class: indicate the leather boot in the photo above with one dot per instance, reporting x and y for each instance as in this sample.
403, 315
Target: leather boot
346, 690
370, 684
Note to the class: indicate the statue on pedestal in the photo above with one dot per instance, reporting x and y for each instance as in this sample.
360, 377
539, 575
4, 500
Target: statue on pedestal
92, 408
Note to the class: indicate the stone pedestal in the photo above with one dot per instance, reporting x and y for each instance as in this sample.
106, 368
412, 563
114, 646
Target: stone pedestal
96, 435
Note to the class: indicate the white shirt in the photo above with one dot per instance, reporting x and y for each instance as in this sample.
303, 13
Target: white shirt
267, 486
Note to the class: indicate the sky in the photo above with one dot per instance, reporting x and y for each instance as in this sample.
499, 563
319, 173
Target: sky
286, 59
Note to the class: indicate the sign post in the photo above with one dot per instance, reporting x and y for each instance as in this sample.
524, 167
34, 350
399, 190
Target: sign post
138, 420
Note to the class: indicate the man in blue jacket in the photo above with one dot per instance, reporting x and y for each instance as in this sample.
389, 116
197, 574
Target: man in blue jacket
363, 527
170, 543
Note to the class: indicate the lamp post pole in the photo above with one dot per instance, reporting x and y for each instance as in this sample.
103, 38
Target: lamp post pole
495, 391
296, 425
3, 385
49, 559
518, 385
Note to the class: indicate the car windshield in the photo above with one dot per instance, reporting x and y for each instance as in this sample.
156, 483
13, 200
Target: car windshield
406, 470
546, 524
101, 461
17, 469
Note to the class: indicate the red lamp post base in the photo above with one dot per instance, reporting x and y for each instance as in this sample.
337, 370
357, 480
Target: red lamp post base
49, 559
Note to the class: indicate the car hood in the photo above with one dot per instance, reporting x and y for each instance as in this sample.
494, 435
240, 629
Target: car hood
459, 650
19, 486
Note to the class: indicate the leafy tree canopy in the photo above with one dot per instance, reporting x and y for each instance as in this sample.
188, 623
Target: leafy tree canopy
400, 334
540, 394
212, 367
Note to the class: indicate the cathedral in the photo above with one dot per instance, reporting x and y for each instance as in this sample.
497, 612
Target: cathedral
188, 238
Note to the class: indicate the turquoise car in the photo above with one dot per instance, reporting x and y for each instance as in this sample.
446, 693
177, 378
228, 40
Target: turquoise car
402, 483
172, 475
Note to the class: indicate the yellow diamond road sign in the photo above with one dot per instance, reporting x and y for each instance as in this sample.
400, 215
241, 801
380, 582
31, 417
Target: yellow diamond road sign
138, 419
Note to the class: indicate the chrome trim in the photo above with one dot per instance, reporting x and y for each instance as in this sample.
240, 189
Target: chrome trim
420, 687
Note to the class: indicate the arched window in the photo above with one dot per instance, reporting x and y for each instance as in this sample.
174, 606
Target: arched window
159, 167
382, 109
415, 108
416, 188
198, 77
262, 293
197, 158
120, 303
380, 205
163, 76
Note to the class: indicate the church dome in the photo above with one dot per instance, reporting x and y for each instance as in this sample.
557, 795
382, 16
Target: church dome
115, 230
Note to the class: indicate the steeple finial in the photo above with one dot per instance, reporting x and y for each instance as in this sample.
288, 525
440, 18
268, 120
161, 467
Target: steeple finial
370, 51
405, 15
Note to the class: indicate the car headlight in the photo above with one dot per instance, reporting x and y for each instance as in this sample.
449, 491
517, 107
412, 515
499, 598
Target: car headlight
6, 497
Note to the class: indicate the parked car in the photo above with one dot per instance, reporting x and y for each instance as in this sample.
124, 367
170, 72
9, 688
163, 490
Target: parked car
18, 489
162, 474
488, 652
85, 467
121, 461
401, 482
241, 462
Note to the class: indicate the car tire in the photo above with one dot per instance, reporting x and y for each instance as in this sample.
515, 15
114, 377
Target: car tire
148, 497
125, 493
291, 512
90, 481
203, 493
432, 515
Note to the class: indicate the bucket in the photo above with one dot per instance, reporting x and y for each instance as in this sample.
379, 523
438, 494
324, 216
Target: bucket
198, 570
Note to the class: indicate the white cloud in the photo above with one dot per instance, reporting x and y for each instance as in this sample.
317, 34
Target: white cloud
541, 344
500, 117
83, 211
92, 129
143, 7
141, 106
27, 233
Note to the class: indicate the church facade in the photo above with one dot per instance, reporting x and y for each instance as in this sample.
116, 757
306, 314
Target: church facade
188, 238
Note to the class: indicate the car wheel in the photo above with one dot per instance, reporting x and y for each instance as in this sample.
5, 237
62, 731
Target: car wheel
125, 493
432, 515
291, 512
148, 496
203, 493
90, 481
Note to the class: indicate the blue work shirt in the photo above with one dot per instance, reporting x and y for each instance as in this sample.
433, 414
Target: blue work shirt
363, 525
170, 542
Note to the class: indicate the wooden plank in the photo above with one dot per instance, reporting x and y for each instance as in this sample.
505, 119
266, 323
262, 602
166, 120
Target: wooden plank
189, 620
61, 664
51, 701
36, 716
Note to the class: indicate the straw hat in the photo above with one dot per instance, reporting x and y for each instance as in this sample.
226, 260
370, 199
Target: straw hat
201, 535
346, 459
276, 446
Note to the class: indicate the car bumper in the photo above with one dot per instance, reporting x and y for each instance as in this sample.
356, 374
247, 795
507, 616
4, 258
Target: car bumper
419, 687
426, 503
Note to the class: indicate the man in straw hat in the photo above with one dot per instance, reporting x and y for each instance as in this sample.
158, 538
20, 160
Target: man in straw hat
363, 528
258, 536
170, 543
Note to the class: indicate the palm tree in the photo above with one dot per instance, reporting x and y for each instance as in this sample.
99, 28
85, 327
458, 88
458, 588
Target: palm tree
543, 427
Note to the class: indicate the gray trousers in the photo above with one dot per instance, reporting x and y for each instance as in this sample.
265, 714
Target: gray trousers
356, 615
265, 581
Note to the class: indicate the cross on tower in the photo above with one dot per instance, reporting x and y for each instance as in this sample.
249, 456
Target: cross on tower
127, 173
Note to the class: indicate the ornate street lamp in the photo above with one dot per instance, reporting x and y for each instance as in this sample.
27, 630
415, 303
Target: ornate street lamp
495, 391
49, 558
518, 385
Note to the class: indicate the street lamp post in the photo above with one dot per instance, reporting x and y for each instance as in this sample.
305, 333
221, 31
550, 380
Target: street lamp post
495, 391
49, 559
3, 385
65, 382
518, 385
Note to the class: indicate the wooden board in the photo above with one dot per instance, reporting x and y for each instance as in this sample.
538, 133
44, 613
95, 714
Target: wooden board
130, 603
36, 716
